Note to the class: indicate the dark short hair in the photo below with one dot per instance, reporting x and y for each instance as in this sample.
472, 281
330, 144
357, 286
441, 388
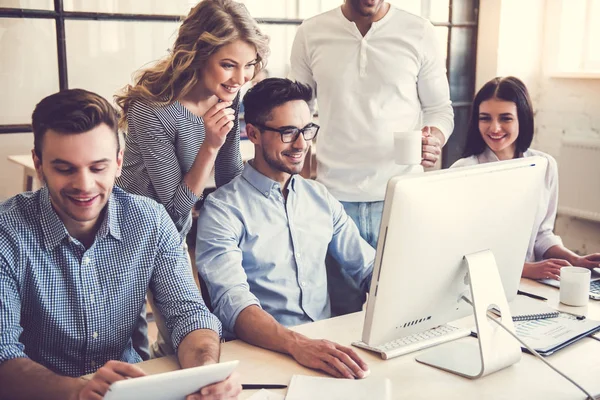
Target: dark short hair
508, 89
269, 93
70, 112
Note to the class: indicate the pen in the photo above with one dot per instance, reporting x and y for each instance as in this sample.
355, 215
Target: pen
262, 386
533, 296
577, 316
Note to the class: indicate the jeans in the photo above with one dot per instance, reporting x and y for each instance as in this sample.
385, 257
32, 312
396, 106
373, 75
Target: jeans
367, 217
344, 294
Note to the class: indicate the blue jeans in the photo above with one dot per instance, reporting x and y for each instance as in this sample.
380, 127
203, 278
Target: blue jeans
367, 217
345, 296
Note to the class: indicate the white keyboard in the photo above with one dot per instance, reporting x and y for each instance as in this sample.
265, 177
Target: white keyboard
416, 341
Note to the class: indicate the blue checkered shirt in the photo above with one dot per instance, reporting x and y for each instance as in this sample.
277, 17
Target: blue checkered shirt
73, 309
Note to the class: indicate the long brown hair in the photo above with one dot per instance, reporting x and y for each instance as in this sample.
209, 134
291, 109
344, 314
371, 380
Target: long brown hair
210, 25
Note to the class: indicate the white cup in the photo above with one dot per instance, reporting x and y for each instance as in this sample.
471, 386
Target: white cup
408, 147
574, 286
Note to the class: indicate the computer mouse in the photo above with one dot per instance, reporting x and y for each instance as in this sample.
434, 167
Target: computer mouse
366, 373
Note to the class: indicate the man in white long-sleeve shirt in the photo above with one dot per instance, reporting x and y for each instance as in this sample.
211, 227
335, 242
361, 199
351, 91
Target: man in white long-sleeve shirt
375, 70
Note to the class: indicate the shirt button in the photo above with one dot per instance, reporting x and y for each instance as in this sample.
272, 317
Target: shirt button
85, 261
92, 298
93, 364
298, 255
303, 284
266, 193
95, 335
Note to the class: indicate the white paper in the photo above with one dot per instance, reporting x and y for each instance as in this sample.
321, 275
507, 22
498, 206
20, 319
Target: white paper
545, 334
313, 387
264, 394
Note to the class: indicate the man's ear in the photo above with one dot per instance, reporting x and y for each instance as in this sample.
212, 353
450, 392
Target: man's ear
253, 133
119, 162
37, 163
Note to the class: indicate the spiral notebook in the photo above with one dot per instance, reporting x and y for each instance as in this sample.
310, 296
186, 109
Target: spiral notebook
524, 308
549, 335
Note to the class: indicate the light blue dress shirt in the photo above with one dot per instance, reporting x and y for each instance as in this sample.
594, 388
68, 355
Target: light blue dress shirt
73, 309
255, 248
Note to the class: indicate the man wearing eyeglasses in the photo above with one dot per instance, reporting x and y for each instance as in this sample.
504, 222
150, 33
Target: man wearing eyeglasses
263, 238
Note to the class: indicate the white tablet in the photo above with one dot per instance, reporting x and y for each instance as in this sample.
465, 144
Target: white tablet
174, 385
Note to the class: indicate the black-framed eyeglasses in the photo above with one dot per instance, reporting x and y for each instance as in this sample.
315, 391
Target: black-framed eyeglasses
289, 134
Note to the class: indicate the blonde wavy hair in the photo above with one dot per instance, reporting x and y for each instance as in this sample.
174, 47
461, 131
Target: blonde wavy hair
210, 25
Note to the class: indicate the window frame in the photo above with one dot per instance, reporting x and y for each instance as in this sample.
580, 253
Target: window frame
60, 16
553, 32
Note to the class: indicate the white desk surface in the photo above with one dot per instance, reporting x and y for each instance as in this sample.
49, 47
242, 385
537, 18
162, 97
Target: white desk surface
528, 379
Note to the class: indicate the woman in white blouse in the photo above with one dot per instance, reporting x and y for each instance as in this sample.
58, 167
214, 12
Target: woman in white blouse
501, 127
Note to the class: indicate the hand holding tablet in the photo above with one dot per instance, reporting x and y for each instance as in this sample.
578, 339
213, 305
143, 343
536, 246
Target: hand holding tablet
174, 385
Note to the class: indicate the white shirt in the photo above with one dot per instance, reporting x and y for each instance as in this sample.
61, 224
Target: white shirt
367, 88
542, 237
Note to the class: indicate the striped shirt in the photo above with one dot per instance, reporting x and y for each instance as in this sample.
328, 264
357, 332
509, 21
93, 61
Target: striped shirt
160, 147
73, 309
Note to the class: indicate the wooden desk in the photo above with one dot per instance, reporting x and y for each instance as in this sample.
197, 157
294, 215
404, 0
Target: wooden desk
528, 379
30, 179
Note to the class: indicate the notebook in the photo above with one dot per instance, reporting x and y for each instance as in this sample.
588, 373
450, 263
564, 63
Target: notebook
524, 308
264, 394
549, 335
304, 387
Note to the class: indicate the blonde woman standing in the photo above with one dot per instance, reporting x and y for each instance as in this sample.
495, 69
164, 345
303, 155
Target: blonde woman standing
181, 119
181, 116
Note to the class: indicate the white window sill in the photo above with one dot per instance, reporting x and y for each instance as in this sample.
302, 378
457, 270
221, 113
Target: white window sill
576, 75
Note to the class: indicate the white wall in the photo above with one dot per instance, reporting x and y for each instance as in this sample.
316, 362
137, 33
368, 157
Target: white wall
511, 41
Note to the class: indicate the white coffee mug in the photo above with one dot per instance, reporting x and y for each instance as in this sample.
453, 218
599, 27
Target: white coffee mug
574, 286
408, 147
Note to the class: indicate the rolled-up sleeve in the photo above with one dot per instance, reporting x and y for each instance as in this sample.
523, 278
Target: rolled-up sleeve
349, 249
229, 164
175, 292
219, 262
10, 306
432, 86
545, 238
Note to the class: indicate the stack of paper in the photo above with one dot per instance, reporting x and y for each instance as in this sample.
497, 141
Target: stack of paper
264, 394
313, 387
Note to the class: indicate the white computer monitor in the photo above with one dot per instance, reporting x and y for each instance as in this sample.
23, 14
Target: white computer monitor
430, 223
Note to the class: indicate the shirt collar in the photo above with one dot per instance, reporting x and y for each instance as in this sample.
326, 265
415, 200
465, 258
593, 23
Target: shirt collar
52, 226
262, 183
112, 221
54, 229
487, 156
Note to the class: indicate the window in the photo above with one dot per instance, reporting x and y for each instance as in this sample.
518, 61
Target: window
107, 41
573, 38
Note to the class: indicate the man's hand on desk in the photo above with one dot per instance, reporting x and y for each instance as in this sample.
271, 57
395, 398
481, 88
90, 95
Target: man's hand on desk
230, 388
332, 358
590, 261
545, 269
109, 373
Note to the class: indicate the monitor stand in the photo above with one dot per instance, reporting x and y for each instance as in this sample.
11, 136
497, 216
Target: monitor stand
496, 349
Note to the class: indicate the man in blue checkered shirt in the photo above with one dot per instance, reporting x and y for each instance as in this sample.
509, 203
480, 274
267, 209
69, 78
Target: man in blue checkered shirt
76, 259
